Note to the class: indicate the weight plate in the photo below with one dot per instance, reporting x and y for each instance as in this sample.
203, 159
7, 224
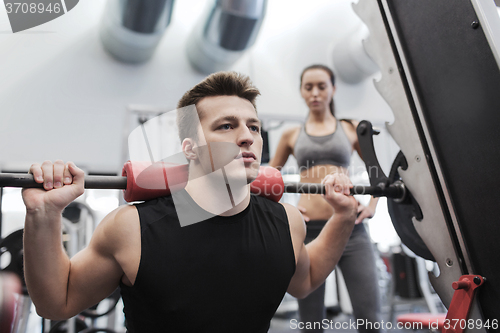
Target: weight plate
13, 245
403, 212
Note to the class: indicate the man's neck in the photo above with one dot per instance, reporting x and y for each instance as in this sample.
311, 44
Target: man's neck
212, 194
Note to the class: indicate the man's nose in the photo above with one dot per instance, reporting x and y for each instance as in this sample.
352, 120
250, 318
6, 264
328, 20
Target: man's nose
245, 136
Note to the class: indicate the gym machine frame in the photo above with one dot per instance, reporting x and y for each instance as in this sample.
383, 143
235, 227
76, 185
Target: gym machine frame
440, 65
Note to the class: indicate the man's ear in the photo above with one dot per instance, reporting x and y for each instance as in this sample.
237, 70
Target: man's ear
188, 148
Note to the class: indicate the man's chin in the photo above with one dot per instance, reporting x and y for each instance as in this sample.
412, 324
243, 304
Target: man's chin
250, 179
252, 172
243, 173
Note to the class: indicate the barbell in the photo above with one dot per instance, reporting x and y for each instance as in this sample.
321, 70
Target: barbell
144, 181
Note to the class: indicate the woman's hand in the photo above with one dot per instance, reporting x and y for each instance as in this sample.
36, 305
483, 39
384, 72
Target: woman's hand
364, 212
302, 210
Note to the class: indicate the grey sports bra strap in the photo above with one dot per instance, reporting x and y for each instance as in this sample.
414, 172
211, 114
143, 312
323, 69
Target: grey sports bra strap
331, 149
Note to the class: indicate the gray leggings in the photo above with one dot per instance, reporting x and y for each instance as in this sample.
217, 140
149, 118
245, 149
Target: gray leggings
360, 274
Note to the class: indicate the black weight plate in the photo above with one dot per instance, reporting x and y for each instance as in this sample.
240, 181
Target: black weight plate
13, 244
403, 212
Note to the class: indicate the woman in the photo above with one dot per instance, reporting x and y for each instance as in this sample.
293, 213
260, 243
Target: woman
321, 146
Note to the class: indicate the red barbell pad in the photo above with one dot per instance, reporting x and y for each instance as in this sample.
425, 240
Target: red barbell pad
146, 181
269, 183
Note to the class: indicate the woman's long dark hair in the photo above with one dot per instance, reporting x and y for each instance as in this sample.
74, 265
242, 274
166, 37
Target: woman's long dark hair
332, 79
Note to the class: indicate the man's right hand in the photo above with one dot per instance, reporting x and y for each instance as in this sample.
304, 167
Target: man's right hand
337, 188
62, 184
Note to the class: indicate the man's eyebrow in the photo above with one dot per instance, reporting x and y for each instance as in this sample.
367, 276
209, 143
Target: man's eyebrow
234, 118
226, 118
254, 120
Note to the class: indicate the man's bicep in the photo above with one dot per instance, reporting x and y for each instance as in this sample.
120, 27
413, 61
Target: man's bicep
300, 284
94, 271
297, 228
300, 280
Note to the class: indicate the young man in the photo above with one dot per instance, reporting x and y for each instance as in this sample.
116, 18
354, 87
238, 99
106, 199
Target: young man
225, 273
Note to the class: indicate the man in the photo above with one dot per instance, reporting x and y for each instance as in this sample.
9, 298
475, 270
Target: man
225, 273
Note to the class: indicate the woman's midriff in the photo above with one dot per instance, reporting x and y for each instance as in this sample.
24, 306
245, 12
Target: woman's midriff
316, 207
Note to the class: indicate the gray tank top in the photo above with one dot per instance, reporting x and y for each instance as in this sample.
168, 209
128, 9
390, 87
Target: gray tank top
332, 149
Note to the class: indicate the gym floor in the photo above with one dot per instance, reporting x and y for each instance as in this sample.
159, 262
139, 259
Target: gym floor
287, 323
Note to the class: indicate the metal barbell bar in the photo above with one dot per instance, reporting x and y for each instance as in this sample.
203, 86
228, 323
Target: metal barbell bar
396, 190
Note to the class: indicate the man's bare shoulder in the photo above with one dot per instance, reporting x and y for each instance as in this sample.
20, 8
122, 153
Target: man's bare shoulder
122, 217
117, 229
297, 225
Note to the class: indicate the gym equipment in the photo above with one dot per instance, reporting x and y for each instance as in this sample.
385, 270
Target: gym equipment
12, 245
93, 312
62, 326
434, 322
79, 324
440, 65
144, 181
402, 213
8, 287
403, 210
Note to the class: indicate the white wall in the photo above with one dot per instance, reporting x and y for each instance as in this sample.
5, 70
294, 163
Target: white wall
62, 96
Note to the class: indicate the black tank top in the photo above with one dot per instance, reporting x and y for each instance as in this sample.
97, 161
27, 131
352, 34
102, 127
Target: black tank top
224, 274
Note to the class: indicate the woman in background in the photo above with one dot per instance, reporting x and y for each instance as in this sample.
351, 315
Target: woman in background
321, 146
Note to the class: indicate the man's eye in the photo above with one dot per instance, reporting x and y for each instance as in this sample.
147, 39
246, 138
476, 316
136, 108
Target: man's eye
255, 128
225, 126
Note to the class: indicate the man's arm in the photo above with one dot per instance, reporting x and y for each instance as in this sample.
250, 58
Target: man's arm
316, 260
60, 287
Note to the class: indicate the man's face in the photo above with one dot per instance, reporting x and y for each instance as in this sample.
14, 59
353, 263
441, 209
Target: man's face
232, 120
